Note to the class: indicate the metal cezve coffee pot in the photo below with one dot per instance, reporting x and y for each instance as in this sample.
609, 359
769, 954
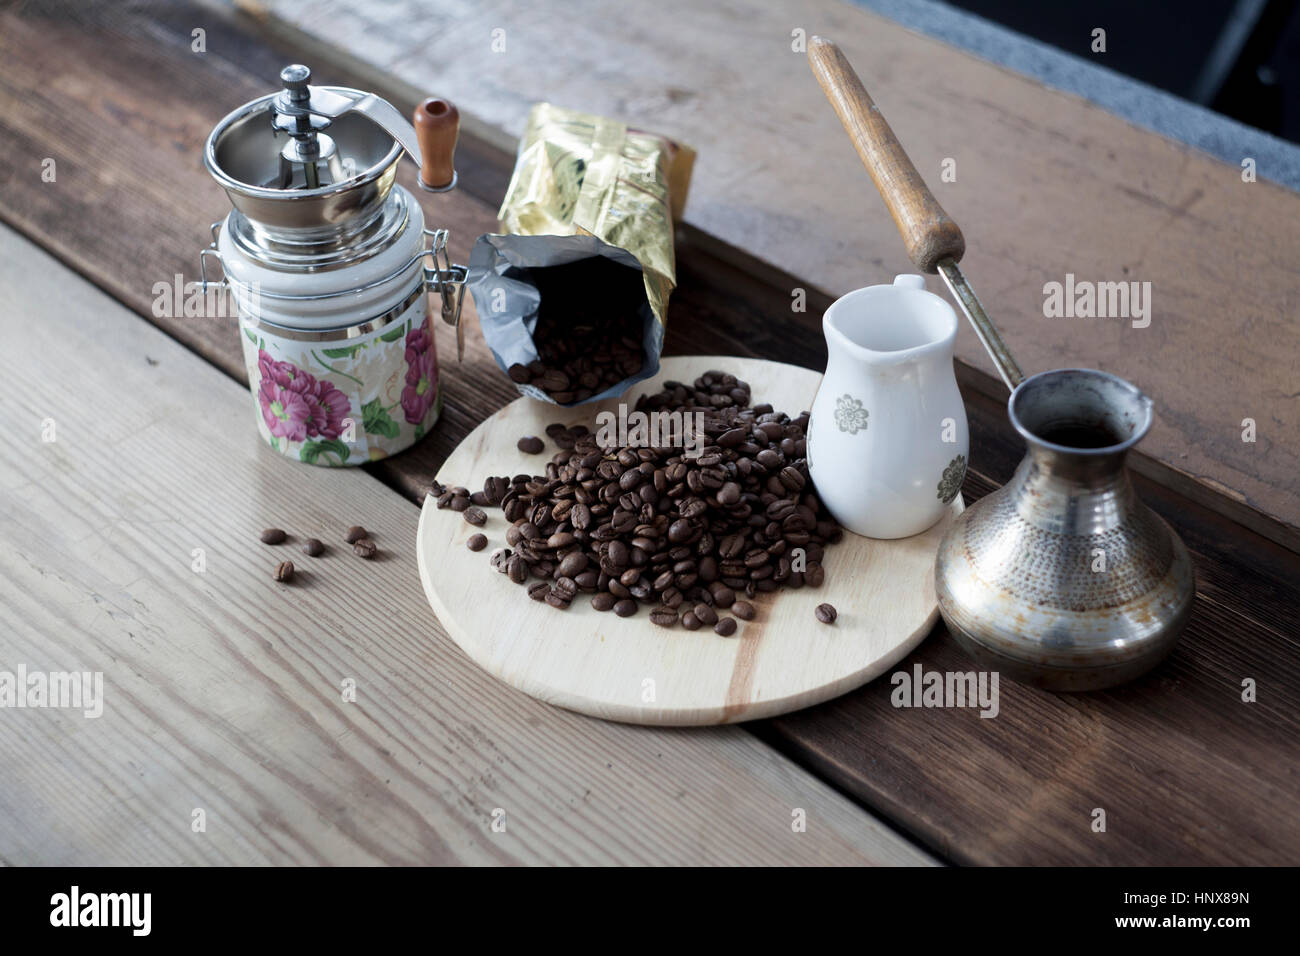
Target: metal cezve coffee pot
325, 255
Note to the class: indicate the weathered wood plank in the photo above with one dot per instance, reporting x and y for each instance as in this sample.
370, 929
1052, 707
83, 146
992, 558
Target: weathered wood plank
222, 687
1046, 185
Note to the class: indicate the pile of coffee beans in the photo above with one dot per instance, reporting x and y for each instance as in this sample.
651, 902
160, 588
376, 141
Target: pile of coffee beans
687, 535
588, 336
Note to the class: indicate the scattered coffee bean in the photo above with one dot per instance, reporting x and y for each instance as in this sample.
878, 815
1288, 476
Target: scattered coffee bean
743, 610
284, 571
539, 589
313, 547
705, 614
690, 621
625, 607
355, 534
589, 329
557, 600
364, 548
517, 570
459, 502
726, 627
663, 616
273, 536
531, 445
476, 542
475, 516
826, 613
603, 601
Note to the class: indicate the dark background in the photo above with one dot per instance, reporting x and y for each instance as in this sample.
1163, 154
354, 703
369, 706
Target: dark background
1188, 47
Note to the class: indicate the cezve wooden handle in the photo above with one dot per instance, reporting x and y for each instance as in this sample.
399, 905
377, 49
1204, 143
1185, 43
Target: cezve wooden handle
927, 231
437, 126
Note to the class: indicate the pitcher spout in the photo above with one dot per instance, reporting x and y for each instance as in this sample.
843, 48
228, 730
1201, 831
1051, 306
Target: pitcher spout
890, 325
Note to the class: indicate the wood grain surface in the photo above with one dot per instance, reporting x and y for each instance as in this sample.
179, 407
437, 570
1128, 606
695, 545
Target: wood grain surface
131, 548
598, 663
1045, 185
1199, 776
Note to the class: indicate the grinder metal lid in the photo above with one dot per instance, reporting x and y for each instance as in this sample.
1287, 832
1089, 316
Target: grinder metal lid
319, 159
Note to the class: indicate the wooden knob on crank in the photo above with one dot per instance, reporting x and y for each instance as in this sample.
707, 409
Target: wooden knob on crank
437, 126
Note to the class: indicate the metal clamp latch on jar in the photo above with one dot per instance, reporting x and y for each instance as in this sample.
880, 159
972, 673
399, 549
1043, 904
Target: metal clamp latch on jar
448, 280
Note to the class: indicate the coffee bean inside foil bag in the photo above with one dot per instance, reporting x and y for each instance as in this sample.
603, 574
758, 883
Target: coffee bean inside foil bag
589, 331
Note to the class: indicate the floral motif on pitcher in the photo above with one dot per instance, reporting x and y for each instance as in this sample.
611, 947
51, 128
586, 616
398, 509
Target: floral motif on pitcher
850, 416
952, 478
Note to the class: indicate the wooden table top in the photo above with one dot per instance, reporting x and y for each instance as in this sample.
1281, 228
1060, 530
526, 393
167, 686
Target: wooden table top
223, 694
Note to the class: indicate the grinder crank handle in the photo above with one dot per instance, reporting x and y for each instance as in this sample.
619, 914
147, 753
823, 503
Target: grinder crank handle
437, 126
928, 233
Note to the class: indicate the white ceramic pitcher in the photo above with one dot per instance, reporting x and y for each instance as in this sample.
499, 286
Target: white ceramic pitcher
887, 437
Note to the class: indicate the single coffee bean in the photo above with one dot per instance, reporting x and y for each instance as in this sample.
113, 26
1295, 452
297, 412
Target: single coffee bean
313, 547
625, 607
530, 445
355, 534
690, 621
826, 613
517, 570
475, 516
519, 373
273, 536
538, 590
574, 563
364, 548
284, 571
723, 596
743, 610
476, 542
680, 530
603, 601
557, 601
459, 503
726, 627
663, 616
814, 575
705, 614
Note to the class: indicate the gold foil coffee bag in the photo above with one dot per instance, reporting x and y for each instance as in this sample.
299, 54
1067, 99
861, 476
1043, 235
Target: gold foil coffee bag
584, 186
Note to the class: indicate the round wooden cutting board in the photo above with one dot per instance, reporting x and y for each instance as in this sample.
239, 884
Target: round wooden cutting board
627, 668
